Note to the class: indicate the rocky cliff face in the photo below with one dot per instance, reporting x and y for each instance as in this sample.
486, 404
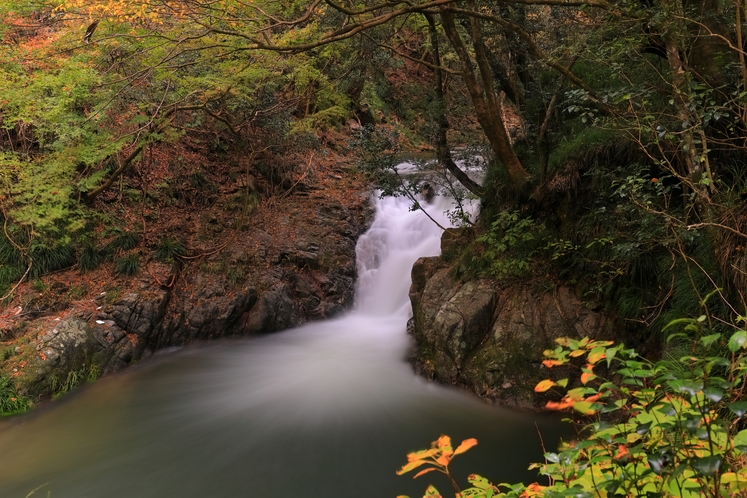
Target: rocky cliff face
297, 266
489, 338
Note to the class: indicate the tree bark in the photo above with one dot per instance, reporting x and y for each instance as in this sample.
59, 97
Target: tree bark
488, 108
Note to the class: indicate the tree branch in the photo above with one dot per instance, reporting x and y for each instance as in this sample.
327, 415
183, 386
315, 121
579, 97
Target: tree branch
535, 50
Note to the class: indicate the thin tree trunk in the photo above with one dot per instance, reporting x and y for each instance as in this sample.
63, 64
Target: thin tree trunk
443, 153
488, 108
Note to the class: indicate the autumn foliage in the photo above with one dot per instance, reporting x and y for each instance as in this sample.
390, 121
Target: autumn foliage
671, 428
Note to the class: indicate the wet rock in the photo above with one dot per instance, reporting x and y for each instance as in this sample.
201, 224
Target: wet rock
71, 351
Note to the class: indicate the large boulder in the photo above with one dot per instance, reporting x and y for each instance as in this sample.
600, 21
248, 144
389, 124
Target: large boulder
489, 338
70, 351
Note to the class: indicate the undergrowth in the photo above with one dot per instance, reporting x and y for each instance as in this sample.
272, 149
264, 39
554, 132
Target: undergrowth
10, 401
668, 428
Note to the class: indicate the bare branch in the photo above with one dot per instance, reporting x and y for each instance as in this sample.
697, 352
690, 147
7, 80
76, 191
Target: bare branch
413, 59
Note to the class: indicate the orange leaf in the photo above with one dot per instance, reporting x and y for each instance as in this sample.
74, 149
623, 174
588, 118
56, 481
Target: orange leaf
443, 441
410, 466
443, 460
544, 386
588, 373
596, 355
424, 471
561, 405
533, 490
551, 363
465, 445
419, 455
622, 452
586, 377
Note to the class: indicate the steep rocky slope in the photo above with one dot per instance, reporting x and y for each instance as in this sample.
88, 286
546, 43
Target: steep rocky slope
291, 261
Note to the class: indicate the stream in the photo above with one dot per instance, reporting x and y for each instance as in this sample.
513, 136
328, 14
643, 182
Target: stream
327, 410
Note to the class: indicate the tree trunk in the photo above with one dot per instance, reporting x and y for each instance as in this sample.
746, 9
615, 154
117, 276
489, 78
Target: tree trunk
488, 107
443, 153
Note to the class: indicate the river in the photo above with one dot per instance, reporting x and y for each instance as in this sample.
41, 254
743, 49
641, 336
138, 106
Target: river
327, 410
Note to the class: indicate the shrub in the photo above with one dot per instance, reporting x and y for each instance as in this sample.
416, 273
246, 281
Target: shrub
90, 258
170, 251
128, 265
673, 427
507, 248
122, 241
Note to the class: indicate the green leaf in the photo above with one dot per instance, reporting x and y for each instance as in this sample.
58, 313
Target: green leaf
740, 441
709, 339
659, 461
713, 394
737, 340
432, 492
479, 482
690, 387
692, 422
707, 466
671, 337
739, 408
643, 428
586, 407
610, 354
677, 322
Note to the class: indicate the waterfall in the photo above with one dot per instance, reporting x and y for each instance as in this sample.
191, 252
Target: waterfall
327, 410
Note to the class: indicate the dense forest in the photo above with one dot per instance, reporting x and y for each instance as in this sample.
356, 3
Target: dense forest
612, 138
614, 130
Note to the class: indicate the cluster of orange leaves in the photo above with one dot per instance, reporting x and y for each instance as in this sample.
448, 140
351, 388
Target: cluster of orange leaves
128, 10
438, 456
596, 353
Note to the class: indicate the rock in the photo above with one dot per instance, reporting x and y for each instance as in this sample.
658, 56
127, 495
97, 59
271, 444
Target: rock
70, 351
272, 277
489, 338
274, 311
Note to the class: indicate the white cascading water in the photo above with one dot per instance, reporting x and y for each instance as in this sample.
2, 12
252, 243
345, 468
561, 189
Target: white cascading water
386, 253
323, 411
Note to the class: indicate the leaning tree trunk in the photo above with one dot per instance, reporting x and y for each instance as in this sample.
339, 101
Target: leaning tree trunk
488, 108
